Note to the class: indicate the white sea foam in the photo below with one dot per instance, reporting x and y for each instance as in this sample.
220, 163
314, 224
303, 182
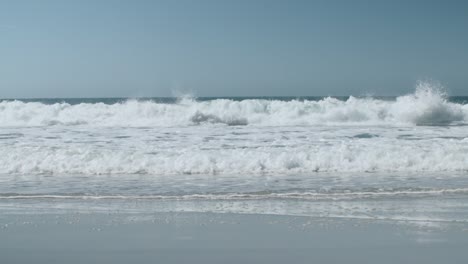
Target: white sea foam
245, 137
427, 106
244, 150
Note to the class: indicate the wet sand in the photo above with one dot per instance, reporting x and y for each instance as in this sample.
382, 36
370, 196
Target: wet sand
224, 238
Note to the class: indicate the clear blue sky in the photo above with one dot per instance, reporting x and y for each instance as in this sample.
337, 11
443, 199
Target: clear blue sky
230, 48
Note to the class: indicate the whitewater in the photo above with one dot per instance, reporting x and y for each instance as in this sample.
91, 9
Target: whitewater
427, 106
423, 131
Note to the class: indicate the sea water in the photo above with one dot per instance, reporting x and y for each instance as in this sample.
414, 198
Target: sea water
401, 158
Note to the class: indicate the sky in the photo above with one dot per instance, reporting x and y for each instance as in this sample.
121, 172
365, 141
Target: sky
57, 49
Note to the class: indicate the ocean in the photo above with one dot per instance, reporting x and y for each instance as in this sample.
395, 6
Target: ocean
396, 158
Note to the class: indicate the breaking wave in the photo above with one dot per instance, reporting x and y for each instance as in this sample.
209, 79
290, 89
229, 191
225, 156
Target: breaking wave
426, 106
275, 136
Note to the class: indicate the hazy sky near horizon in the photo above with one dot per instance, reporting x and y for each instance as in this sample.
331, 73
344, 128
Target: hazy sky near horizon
230, 48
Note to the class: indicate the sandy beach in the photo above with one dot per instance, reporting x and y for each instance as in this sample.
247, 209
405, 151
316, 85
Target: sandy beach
226, 238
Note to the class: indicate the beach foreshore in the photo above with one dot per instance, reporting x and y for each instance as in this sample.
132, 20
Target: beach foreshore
182, 237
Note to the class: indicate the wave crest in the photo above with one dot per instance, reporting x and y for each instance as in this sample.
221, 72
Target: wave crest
426, 106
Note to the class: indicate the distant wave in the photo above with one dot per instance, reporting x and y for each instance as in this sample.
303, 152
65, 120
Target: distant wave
426, 106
